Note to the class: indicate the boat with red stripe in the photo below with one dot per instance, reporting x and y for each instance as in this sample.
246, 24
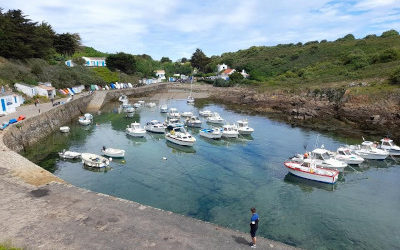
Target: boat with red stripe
309, 170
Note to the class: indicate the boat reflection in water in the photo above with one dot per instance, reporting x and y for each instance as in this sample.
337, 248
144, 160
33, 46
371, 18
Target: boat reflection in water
308, 185
98, 170
136, 140
180, 148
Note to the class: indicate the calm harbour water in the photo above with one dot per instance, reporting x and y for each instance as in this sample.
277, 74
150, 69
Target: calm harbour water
218, 181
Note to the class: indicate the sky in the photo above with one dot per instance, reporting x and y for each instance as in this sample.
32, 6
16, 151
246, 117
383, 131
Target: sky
175, 28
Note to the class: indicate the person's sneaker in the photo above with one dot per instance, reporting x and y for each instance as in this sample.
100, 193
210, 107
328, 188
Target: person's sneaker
251, 243
253, 246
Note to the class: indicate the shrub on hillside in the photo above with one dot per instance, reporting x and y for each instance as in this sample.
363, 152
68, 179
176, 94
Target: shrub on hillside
357, 59
390, 33
222, 83
389, 55
395, 77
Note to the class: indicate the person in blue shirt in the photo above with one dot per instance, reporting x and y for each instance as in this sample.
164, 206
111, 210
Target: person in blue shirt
253, 226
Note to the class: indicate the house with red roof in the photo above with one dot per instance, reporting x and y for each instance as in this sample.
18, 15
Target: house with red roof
226, 73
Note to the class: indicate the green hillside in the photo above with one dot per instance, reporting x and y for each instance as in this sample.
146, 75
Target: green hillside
318, 62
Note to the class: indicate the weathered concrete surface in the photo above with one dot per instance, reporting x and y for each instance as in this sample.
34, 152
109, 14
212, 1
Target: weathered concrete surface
60, 216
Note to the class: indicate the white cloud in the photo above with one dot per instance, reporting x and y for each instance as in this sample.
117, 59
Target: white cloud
175, 28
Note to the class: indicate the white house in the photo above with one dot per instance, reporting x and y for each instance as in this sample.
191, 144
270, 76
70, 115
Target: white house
94, 61
9, 102
221, 67
28, 90
43, 89
160, 74
226, 73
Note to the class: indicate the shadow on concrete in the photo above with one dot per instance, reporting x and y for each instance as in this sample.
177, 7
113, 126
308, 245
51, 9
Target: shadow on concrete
240, 240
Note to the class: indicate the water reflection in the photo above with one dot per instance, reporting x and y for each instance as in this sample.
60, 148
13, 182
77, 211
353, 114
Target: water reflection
97, 170
308, 185
178, 148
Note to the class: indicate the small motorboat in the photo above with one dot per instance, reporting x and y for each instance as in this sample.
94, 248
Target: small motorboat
173, 122
155, 126
173, 113
368, 150
243, 127
190, 99
180, 136
4, 125
123, 99
193, 121
113, 152
135, 130
388, 145
215, 118
229, 131
187, 114
164, 108
137, 105
129, 109
309, 170
344, 154
141, 102
205, 113
214, 133
86, 119
64, 129
95, 161
12, 121
151, 105
69, 154
21, 118
322, 157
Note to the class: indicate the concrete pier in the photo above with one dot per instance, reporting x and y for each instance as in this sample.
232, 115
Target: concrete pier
40, 211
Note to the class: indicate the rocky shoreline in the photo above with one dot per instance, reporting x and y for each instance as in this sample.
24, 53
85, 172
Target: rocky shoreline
326, 110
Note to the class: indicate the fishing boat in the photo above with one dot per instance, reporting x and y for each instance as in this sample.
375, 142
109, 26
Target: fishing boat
135, 130
123, 99
113, 152
151, 104
69, 154
310, 171
229, 131
187, 114
243, 127
96, 161
193, 121
180, 136
215, 118
155, 126
388, 145
173, 113
64, 129
344, 154
205, 113
164, 108
173, 122
323, 158
85, 119
368, 150
214, 133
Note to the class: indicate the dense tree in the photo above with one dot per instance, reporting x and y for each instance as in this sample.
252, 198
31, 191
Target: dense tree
390, 33
66, 43
235, 77
165, 60
121, 61
79, 61
199, 60
184, 60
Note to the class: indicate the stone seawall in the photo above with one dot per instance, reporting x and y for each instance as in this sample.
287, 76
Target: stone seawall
35, 128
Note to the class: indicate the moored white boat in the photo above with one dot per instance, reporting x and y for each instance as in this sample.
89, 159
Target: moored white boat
93, 160
173, 113
86, 119
141, 102
123, 99
214, 133
151, 104
344, 154
190, 99
180, 136
155, 126
323, 158
113, 152
129, 109
187, 114
135, 130
164, 108
215, 118
137, 105
64, 129
388, 145
69, 154
193, 121
205, 113
310, 171
243, 127
229, 131
368, 150
173, 122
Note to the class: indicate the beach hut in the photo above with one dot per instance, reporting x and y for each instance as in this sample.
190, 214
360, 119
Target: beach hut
130, 85
107, 88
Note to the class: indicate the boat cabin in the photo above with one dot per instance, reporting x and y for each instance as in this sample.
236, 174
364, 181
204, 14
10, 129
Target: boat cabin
386, 142
321, 154
242, 124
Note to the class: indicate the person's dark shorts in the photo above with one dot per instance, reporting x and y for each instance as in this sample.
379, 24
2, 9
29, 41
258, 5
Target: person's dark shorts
253, 232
